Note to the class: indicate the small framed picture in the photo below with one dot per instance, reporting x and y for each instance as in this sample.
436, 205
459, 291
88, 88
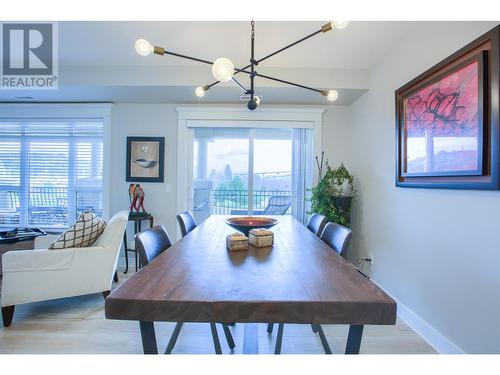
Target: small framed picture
145, 159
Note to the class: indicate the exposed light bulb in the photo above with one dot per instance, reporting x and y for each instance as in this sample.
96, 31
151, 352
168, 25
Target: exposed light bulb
332, 95
339, 24
143, 47
257, 99
200, 92
223, 69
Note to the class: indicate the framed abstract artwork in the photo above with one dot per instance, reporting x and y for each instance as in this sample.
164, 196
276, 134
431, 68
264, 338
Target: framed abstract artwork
447, 127
145, 159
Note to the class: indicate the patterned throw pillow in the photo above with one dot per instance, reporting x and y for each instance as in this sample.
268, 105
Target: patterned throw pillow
83, 233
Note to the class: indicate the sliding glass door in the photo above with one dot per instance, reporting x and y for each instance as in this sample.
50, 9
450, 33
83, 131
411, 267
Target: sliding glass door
221, 178
244, 171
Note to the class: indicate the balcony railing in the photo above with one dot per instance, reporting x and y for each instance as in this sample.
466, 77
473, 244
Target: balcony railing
231, 202
46, 206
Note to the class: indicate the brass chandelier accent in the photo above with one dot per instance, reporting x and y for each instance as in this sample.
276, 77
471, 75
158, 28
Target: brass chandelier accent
224, 70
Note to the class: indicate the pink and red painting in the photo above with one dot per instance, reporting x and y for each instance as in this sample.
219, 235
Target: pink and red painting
448, 121
442, 124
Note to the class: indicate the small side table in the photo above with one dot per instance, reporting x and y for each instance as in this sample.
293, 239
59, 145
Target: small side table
137, 220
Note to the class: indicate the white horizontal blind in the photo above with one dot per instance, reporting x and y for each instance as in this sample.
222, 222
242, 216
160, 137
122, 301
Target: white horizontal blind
50, 171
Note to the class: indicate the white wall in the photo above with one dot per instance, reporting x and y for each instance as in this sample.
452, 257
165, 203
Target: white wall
132, 119
336, 135
145, 120
436, 251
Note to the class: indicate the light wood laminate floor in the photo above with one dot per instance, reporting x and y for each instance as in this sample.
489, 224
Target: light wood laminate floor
77, 325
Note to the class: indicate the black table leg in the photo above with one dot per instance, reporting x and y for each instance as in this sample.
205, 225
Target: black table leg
173, 338
126, 251
136, 252
148, 338
354, 339
229, 337
323, 339
215, 337
279, 338
136, 227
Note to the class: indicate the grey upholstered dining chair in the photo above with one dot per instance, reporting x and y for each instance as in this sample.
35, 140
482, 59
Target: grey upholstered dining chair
338, 238
150, 244
316, 223
278, 205
186, 222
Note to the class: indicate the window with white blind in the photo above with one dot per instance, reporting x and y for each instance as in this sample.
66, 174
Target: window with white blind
51, 170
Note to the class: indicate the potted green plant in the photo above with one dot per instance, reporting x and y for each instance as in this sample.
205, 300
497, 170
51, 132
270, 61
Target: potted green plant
334, 194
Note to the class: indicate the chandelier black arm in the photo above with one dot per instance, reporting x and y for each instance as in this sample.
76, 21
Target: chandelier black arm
241, 86
164, 52
281, 80
273, 79
288, 46
212, 84
252, 62
239, 70
289, 83
188, 57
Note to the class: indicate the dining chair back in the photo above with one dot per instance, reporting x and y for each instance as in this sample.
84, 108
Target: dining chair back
278, 205
151, 243
337, 237
316, 223
186, 222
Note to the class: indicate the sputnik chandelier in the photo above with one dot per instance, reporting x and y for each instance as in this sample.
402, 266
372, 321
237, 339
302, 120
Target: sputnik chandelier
223, 69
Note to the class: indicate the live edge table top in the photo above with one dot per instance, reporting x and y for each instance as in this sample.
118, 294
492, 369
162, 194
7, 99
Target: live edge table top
299, 280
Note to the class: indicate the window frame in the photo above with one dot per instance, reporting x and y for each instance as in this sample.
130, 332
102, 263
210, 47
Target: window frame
212, 116
23, 112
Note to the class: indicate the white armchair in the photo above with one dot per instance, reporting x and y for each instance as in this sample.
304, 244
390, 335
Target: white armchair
41, 274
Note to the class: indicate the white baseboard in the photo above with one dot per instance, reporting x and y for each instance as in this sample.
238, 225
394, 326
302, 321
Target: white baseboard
430, 334
435, 338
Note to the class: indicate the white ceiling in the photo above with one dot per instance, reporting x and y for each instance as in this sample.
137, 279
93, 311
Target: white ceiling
358, 46
97, 60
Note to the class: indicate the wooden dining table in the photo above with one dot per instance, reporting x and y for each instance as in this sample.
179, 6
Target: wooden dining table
299, 279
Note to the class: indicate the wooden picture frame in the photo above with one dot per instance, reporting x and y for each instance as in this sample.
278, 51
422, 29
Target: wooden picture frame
145, 159
467, 151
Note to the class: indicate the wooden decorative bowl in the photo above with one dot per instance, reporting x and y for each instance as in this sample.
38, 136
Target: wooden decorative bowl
246, 223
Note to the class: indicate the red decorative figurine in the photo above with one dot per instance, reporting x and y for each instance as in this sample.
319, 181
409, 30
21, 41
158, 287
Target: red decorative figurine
136, 195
